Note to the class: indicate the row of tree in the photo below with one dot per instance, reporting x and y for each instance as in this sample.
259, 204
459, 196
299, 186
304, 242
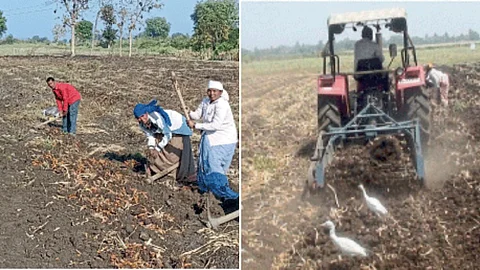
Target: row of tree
157, 27
215, 24
301, 50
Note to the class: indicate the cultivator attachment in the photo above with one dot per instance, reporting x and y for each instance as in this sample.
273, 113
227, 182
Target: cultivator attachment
368, 124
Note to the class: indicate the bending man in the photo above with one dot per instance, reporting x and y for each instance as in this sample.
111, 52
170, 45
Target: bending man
168, 139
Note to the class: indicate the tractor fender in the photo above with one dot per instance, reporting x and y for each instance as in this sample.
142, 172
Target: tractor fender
335, 88
412, 78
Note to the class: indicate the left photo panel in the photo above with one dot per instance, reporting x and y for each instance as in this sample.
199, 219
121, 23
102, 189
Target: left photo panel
120, 134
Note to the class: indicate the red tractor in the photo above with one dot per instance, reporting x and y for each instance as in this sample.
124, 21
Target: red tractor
386, 101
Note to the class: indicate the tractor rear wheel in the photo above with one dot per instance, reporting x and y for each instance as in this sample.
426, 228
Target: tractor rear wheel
328, 114
418, 105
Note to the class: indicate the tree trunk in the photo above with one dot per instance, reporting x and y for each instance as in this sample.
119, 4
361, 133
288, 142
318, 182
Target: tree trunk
94, 30
72, 43
130, 50
121, 36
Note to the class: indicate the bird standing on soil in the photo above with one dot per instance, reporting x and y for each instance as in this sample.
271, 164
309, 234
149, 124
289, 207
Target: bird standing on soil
347, 246
373, 203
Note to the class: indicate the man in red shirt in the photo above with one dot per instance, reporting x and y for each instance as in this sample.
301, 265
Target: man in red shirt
68, 100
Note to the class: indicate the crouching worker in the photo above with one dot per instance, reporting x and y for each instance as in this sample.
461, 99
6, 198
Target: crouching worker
168, 140
68, 101
218, 141
440, 83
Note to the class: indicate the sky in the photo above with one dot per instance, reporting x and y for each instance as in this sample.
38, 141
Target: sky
267, 24
27, 18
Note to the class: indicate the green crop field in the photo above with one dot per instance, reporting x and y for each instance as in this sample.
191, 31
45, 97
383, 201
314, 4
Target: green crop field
439, 56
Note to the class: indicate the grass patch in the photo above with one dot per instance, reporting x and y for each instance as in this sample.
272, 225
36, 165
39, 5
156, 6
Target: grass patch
263, 163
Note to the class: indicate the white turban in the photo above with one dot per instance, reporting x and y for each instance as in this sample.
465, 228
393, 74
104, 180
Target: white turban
215, 85
219, 86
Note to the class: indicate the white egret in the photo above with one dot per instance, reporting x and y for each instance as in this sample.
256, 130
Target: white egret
373, 204
347, 246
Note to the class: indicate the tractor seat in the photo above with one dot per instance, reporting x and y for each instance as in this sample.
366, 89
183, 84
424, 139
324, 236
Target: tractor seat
371, 79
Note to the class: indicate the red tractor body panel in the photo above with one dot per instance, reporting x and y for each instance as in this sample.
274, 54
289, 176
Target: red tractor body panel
413, 77
335, 88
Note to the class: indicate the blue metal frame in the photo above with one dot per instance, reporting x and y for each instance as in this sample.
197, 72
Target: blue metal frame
367, 124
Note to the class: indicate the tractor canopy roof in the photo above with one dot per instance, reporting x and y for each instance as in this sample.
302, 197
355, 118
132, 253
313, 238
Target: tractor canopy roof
394, 19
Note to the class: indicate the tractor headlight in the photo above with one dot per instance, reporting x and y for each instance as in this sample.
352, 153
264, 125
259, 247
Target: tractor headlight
399, 71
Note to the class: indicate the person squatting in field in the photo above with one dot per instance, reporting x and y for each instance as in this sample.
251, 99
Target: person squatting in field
440, 83
168, 140
68, 101
217, 143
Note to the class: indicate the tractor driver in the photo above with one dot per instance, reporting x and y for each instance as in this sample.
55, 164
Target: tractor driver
366, 48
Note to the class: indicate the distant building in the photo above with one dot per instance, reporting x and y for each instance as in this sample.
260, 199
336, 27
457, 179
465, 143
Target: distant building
472, 46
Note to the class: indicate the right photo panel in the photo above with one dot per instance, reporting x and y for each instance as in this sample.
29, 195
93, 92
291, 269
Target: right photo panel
360, 135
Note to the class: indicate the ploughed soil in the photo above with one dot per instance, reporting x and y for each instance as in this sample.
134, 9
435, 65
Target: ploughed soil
83, 202
436, 226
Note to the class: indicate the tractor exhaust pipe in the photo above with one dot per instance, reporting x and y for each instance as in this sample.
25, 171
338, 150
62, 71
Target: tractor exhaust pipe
215, 222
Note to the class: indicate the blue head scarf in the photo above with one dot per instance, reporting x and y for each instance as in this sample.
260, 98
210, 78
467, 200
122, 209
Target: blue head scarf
140, 109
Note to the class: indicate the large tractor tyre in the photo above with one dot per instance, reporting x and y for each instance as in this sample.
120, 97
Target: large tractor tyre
418, 105
328, 115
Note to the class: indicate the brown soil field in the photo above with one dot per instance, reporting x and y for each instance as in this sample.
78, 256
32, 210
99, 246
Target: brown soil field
432, 227
83, 202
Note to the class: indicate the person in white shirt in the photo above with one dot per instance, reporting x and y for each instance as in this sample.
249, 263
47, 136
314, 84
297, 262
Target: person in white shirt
168, 140
218, 141
440, 83
366, 48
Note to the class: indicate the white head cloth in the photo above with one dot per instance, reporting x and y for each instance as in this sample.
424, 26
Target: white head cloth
219, 86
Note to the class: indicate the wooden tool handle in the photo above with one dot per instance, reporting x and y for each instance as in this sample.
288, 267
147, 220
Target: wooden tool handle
175, 85
46, 122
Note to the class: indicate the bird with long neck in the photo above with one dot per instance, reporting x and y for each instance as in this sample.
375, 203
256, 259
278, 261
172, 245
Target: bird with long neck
373, 203
346, 245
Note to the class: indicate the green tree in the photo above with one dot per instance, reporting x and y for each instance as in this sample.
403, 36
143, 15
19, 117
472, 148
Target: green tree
102, 4
9, 39
3, 24
472, 35
157, 27
213, 21
109, 35
180, 41
38, 39
84, 30
108, 16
